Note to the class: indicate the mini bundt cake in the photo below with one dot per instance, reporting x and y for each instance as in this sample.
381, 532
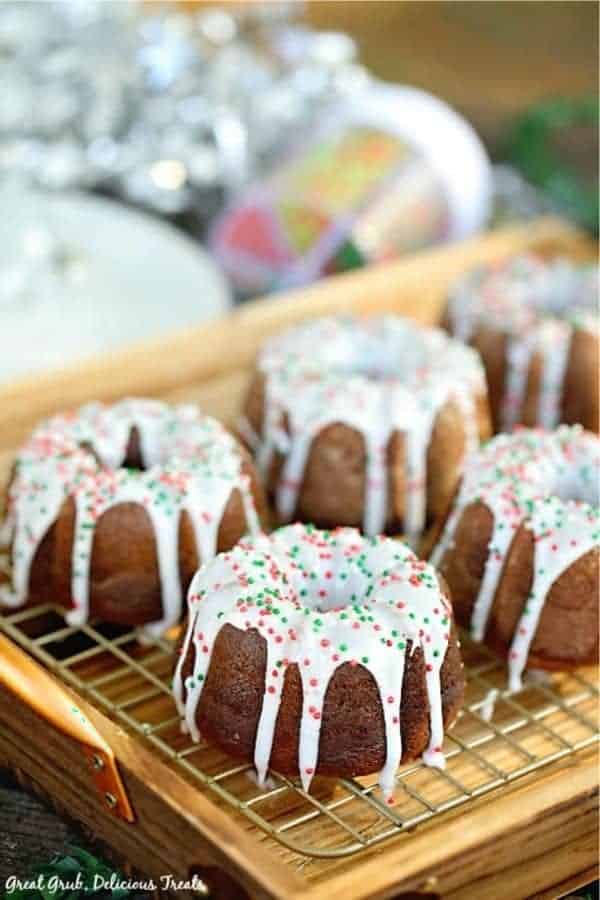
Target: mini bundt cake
536, 327
521, 548
320, 652
111, 509
364, 422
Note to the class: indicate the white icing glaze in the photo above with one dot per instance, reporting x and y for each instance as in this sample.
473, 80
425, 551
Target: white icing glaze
549, 482
321, 599
377, 376
553, 344
519, 350
191, 463
537, 305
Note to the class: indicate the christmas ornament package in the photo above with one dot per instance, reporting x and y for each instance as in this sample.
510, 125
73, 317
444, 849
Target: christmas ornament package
386, 172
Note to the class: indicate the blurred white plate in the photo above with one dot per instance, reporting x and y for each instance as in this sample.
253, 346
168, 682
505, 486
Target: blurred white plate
124, 276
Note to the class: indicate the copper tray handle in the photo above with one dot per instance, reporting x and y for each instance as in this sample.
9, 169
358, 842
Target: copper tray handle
49, 699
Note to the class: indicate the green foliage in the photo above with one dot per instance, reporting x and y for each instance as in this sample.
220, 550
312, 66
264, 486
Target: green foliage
531, 148
53, 881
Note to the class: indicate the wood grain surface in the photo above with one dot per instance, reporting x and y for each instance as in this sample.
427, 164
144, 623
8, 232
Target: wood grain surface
490, 60
33, 832
29, 831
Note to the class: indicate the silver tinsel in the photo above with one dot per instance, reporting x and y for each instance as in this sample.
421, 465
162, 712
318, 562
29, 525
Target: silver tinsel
165, 108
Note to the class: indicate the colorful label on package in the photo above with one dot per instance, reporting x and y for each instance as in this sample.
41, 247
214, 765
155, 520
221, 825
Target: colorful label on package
300, 222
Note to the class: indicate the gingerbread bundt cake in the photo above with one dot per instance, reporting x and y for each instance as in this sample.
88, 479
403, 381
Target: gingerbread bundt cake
320, 652
111, 508
364, 422
521, 548
536, 327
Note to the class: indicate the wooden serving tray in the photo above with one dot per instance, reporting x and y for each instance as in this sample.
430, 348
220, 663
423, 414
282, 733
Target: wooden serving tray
513, 816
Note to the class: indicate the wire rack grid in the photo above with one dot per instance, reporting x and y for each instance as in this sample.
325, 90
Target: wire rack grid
498, 737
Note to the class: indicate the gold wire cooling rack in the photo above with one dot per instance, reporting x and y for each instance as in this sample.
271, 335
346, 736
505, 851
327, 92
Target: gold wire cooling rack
498, 737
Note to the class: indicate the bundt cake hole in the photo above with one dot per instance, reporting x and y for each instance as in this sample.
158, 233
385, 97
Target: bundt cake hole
578, 490
325, 593
133, 459
133, 454
376, 359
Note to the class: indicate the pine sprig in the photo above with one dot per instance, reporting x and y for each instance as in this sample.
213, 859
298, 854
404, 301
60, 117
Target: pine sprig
531, 149
53, 879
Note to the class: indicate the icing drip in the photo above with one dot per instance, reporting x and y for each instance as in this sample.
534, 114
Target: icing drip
377, 376
321, 599
553, 344
522, 478
563, 532
190, 463
537, 305
519, 351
